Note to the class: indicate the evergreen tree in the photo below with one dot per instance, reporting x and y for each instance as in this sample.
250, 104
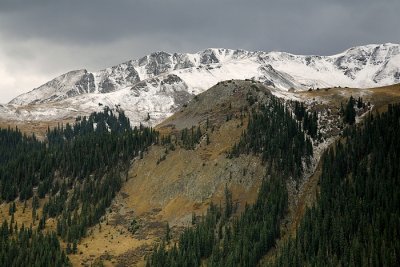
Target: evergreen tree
350, 112
167, 233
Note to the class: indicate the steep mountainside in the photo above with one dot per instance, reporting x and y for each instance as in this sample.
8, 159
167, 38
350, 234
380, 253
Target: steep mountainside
202, 155
151, 88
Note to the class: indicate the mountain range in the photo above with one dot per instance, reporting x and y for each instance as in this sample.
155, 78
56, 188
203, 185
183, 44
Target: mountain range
151, 88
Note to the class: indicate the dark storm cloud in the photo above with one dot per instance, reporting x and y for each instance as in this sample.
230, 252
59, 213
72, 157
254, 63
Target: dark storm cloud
299, 26
50, 37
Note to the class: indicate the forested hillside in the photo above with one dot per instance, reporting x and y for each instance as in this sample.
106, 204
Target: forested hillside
356, 219
27, 247
78, 170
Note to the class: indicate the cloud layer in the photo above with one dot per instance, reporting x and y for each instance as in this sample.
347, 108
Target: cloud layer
42, 39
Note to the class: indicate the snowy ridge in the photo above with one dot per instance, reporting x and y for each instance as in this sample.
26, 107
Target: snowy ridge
159, 83
67, 85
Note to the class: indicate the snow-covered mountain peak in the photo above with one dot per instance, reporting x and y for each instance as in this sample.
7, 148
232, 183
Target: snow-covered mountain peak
161, 82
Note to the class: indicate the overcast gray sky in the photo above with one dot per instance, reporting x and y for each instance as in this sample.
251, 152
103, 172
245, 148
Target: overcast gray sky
41, 39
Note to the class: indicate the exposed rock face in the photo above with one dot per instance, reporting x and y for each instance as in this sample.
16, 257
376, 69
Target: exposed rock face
208, 57
157, 63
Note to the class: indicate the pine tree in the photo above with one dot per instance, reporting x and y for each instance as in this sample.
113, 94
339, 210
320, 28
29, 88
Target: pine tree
68, 249
167, 233
75, 247
350, 112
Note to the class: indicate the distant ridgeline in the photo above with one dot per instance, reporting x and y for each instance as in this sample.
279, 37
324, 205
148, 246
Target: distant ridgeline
78, 167
220, 239
357, 217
